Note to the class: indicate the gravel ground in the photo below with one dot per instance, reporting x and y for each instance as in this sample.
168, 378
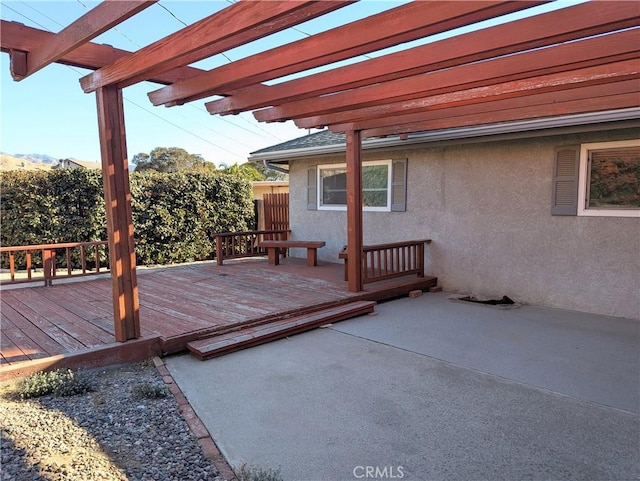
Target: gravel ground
108, 434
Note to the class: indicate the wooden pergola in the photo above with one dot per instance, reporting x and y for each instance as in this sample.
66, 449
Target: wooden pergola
583, 58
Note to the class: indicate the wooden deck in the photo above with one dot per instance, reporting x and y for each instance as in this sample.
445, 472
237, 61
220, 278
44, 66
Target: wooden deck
71, 324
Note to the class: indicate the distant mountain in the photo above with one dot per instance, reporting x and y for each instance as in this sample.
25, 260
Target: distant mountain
38, 158
26, 162
41, 162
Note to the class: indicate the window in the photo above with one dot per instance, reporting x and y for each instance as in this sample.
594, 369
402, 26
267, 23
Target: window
599, 179
609, 180
383, 186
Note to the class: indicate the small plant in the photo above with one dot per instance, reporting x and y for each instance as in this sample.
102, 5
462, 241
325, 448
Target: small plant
61, 382
147, 390
245, 473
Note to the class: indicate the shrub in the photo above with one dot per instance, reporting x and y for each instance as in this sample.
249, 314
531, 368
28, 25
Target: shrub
61, 382
245, 473
148, 390
175, 215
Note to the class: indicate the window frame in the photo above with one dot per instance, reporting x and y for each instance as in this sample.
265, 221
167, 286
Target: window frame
343, 207
583, 181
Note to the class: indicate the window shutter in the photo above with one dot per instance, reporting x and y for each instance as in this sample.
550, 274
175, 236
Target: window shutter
565, 181
399, 185
312, 189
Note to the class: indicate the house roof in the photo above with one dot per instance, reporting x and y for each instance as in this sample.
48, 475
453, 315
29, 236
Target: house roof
316, 139
327, 142
85, 163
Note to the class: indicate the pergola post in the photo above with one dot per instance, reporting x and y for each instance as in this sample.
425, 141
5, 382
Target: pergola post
117, 196
354, 209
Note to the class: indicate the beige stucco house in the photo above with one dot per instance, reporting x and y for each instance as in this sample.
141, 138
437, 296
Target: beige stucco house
511, 209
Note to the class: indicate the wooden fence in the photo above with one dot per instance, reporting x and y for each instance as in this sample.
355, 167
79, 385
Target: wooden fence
276, 211
48, 262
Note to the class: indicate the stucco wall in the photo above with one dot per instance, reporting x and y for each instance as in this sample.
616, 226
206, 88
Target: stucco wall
486, 206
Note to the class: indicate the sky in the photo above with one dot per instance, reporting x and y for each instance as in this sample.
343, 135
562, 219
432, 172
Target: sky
48, 113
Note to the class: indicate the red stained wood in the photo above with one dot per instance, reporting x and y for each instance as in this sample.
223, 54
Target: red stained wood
547, 29
567, 60
235, 25
401, 24
544, 99
177, 305
224, 344
118, 206
35, 322
17, 37
85, 333
599, 75
516, 109
258, 31
354, 209
276, 211
35, 338
98, 20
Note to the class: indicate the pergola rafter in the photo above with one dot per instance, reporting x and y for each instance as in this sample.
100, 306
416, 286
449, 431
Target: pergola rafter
610, 73
580, 21
532, 106
98, 20
405, 23
595, 59
580, 59
236, 25
15, 37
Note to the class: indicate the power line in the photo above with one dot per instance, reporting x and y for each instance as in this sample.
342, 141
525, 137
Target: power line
183, 23
183, 129
44, 15
23, 15
80, 74
115, 28
234, 124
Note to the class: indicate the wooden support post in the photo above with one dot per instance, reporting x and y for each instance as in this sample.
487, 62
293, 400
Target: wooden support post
354, 209
115, 171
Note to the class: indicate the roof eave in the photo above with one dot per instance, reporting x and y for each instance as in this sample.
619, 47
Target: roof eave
523, 127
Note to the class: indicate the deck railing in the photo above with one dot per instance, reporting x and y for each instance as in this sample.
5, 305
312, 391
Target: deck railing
47, 262
234, 245
386, 261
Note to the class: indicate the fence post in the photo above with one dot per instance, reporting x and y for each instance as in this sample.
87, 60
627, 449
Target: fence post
48, 260
219, 250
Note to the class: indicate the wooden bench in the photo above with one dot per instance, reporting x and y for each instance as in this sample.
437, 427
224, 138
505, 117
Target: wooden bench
275, 246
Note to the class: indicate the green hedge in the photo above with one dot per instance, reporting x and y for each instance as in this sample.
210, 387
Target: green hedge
174, 215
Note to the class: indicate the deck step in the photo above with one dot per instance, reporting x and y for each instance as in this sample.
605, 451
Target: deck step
216, 346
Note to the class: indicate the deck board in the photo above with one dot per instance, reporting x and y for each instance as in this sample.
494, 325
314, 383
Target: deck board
177, 305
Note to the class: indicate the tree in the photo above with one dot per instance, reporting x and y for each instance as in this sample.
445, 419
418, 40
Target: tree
252, 172
171, 159
270, 174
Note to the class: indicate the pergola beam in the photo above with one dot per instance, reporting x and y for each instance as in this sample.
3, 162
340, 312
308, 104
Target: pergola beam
498, 77
20, 38
95, 22
401, 24
601, 75
534, 32
233, 26
620, 95
564, 58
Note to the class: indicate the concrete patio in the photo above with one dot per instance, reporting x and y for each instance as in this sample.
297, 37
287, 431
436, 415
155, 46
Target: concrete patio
431, 389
